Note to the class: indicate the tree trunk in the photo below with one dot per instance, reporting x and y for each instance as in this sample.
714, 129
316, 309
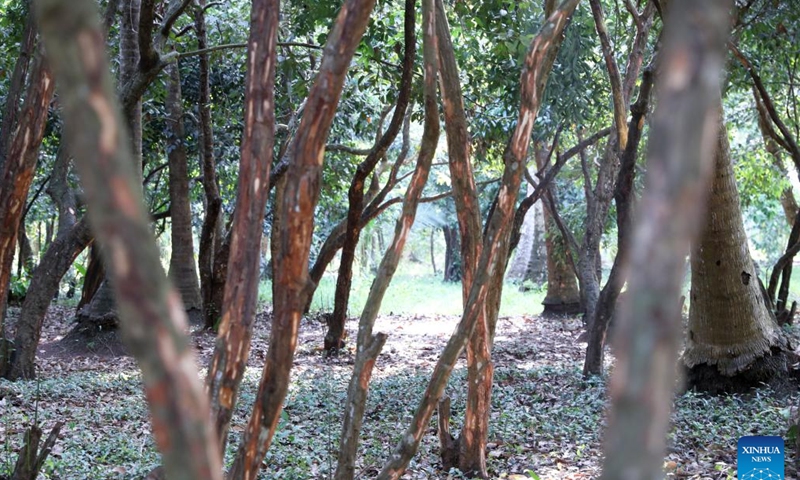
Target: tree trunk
43, 287
369, 345
683, 135
623, 197
98, 306
733, 340
16, 86
493, 255
241, 287
17, 175
182, 266
25, 261
291, 282
452, 255
151, 310
334, 338
525, 255
210, 234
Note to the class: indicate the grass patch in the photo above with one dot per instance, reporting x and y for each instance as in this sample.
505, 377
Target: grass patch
415, 295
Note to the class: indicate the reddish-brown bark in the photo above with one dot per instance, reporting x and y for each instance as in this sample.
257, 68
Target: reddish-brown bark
334, 338
241, 288
291, 282
18, 171
152, 316
369, 345
536, 68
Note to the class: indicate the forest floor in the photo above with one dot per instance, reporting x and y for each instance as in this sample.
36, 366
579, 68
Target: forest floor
546, 421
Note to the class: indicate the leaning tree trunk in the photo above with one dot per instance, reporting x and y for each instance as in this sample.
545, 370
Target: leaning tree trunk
17, 176
494, 251
334, 338
100, 312
152, 315
182, 266
369, 346
733, 339
291, 282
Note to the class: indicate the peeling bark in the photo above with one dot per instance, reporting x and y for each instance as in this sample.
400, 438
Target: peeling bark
291, 284
536, 68
232, 347
153, 319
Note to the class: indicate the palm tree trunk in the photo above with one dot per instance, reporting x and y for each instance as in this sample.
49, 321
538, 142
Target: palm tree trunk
733, 339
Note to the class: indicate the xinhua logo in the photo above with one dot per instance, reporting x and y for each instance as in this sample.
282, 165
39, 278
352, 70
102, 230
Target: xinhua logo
760, 458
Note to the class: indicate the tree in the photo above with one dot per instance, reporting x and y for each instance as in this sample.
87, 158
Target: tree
151, 310
182, 266
680, 158
733, 340
17, 176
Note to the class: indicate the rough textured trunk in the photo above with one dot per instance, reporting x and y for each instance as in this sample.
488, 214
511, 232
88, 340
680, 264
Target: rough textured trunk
153, 320
623, 198
682, 142
732, 334
494, 252
210, 234
291, 282
563, 296
25, 262
369, 345
182, 266
472, 442
334, 338
17, 176
241, 288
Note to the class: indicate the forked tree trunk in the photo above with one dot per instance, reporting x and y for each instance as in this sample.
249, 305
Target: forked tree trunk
182, 266
733, 338
623, 198
334, 338
241, 288
683, 136
17, 175
494, 251
369, 345
291, 282
153, 319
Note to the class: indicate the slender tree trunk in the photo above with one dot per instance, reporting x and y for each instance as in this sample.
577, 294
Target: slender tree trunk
334, 338
623, 197
241, 288
683, 136
291, 282
733, 336
494, 252
151, 310
182, 266
369, 345
210, 234
25, 260
17, 176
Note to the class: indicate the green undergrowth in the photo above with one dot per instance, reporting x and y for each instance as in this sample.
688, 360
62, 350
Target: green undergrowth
545, 420
417, 295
